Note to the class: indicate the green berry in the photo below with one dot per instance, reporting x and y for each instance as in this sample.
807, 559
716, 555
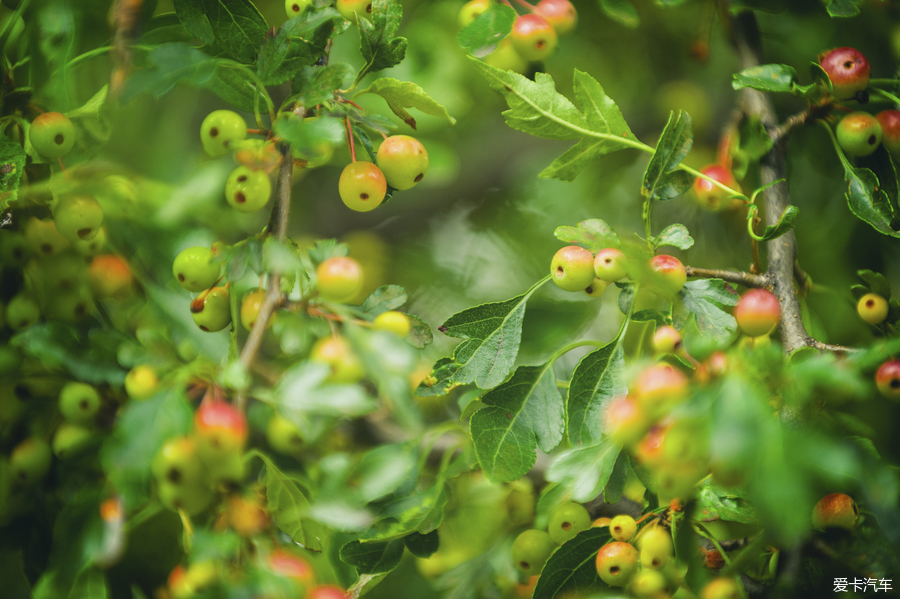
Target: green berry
195, 269
622, 528
30, 461
248, 190
533, 37
610, 265
221, 129
22, 312
141, 383
506, 58
42, 237
362, 186
596, 288
648, 584
70, 306
70, 440
616, 563
572, 268
656, 548
79, 403
566, 521
530, 551
872, 308
13, 248
292, 8
859, 134
52, 135
177, 464
395, 322
347, 8
722, 588
283, 435
195, 580
336, 353
250, 307
10, 361
78, 217
193, 499
212, 311
91, 247
403, 160
666, 340
339, 278
63, 272
470, 11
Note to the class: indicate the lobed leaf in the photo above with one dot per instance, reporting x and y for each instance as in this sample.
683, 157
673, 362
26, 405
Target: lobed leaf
372, 558
377, 37
237, 25
401, 95
299, 43
190, 13
592, 234
704, 299
314, 85
383, 299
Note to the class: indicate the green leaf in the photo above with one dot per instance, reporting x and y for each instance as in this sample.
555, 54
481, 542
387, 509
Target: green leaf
488, 28
592, 234
767, 78
279, 258
615, 488
621, 11
536, 108
372, 558
401, 95
315, 85
842, 8
675, 235
190, 13
377, 42
12, 164
91, 116
92, 359
491, 334
419, 512
598, 379
420, 333
660, 318
572, 567
423, 545
584, 472
518, 416
704, 299
289, 507
303, 391
700, 346
238, 27
878, 283
755, 141
90, 584
307, 136
868, 201
661, 179
384, 299
785, 223
299, 43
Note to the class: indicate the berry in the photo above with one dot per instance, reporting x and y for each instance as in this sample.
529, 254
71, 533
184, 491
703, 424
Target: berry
395, 322
678, 479
348, 7
626, 421
667, 275
610, 265
888, 379
195, 269
285, 563
109, 277
193, 499
52, 135
13, 248
403, 160
890, 131
722, 588
650, 449
141, 383
530, 551
327, 591
220, 130
70, 440
42, 237
283, 435
362, 186
22, 312
79, 403
666, 340
471, 9
176, 463
212, 311
337, 354
572, 268
30, 461
659, 386
622, 528
656, 548
872, 308
649, 584
835, 511
566, 521
248, 190
250, 307
710, 195
70, 306
616, 563
190, 582
339, 278
559, 13
91, 247
859, 134
601, 522
848, 70
78, 217
506, 58
757, 312
596, 288
533, 37
292, 8
247, 516
220, 429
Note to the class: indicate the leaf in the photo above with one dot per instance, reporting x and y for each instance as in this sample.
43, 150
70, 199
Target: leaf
307, 136
661, 179
488, 28
660, 318
675, 235
572, 567
314, 85
585, 471
842, 8
423, 546
518, 416
868, 201
878, 283
420, 333
238, 27
90, 584
299, 43
91, 117
190, 13
372, 558
383, 299
715, 502
598, 378
592, 234
536, 108
91, 359
704, 299
767, 78
621, 11
491, 334
419, 512
12, 164
401, 95
377, 42
303, 390
615, 488
785, 223
289, 507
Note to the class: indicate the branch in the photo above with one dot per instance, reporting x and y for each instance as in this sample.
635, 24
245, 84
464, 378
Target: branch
739, 278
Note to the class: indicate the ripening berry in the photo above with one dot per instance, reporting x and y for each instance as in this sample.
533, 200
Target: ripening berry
872, 308
212, 310
347, 8
195, 269
221, 129
616, 563
722, 588
286, 563
403, 160
666, 340
859, 134
42, 237
559, 13
292, 8
888, 379
626, 421
533, 37
622, 527
667, 275
572, 268
610, 265
327, 591
890, 131
52, 135
758, 312
596, 288
566, 521
30, 461
471, 9
251, 304
362, 186
220, 428
193, 581
247, 515
710, 195
835, 511
248, 190
339, 278
848, 70
79, 403
530, 551
660, 386
141, 382
109, 277
337, 354
395, 322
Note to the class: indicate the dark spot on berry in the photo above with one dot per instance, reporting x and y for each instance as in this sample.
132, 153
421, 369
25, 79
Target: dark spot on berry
204, 329
240, 198
46, 248
618, 529
872, 140
419, 177
614, 570
60, 139
524, 565
369, 8
215, 442
607, 261
848, 65
856, 509
566, 525
364, 196
173, 476
214, 132
540, 44
81, 310
870, 303
656, 563
242, 178
895, 383
22, 391
559, 271
181, 277
677, 345
589, 290
295, 439
82, 233
83, 404
295, 7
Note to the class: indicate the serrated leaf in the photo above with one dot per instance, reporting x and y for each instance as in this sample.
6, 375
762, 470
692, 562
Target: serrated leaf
878, 283
299, 43
572, 567
621, 11
488, 28
661, 180
592, 234
420, 512
238, 27
598, 379
12, 164
584, 472
536, 108
401, 95
726, 504
383, 299
372, 558
289, 508
190, 13
785, 223
842, 8
767, 78
378, 43
704, 299
423, 546
868, 201
518, 416
314, 85
660, 318
676, 236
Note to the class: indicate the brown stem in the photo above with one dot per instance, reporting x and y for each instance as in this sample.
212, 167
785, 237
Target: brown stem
739, 278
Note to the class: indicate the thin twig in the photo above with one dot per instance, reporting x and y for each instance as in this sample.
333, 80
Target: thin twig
737, 277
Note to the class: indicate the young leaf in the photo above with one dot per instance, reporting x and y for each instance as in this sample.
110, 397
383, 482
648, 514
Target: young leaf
521, 414
190, 13
314, 85
401, 95
598, 378
878, 283
536, 108
288, 507
785, 223
299, 43
306, 137
704, 299
572, 567
422, 545
238, 27
842, 8
621, 11
383, 299
661, 179
868, 201
488, 28
12, 163
592, 234
372, 558
377, 42
584, 472
767, 78
675, 235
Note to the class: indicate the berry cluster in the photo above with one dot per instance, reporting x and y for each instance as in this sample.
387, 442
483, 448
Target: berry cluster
533, 547
574, 268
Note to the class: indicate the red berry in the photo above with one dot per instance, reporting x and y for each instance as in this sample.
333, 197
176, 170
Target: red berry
710, 195
220, 425
660, 386
616, 563
533, 37
327, 591
758, 312
626, 421
559, 13
888, 379
667, 275
292, 566
848, 70
890, 131
835, 511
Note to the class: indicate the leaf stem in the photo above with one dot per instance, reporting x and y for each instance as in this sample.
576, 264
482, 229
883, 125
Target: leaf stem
564, 350
888, 95
350, 140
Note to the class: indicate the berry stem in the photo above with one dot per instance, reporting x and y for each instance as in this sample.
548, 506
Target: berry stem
888, 95
258, 132
350, 140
